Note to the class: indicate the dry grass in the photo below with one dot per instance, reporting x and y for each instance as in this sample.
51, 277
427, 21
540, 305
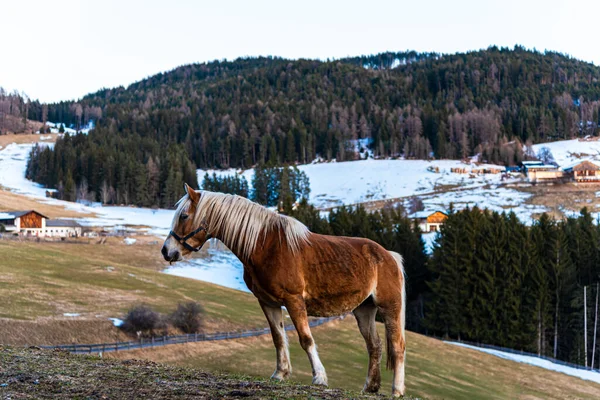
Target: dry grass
42, 281
10, 201
564, 196
59, 331
21, 138
434, 369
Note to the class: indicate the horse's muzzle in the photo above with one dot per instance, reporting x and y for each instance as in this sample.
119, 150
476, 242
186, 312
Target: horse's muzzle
170, 256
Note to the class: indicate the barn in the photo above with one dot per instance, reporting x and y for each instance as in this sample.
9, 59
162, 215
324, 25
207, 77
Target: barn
538, 171
62, 228
429, 221
28, 223
34, 224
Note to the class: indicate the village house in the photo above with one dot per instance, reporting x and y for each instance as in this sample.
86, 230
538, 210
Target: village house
33, 224
584, 172
537, 171
429, 221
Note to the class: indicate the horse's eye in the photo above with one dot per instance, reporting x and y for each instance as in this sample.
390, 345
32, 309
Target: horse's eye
184, 216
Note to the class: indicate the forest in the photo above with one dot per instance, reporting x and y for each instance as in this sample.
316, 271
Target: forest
492, 279
275, 111
495, 280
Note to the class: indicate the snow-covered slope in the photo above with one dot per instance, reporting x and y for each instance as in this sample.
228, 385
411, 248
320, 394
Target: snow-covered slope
55, 128
219, 266
538, 362
568, 152
352, 182
13, 164
334, 184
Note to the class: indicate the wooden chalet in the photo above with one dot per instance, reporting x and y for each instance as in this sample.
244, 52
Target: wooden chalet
585, 172
430, 221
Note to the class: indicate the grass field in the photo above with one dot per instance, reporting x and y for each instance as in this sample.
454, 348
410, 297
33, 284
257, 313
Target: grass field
39, 282
435, 370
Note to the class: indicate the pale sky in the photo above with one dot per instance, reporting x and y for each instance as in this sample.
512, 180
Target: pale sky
63, 49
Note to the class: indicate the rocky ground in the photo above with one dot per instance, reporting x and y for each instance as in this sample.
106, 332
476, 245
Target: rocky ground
27, 373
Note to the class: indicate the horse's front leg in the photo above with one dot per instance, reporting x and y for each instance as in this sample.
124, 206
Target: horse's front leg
275, 318
297, 310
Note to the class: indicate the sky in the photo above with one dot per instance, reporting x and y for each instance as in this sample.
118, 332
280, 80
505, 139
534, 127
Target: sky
63, 49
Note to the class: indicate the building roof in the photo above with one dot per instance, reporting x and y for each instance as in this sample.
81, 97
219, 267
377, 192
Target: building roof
17, 214
527, 163
67, 223
425, 214
585, 165
545, 166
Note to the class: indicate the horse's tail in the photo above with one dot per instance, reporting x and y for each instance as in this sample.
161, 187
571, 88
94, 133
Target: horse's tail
391, 357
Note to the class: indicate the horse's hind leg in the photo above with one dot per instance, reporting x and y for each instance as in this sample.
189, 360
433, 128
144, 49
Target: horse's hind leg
297, 310
365, 316
396, 345
275, 318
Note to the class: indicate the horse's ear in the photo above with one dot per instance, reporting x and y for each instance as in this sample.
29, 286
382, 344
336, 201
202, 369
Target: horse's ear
194, 196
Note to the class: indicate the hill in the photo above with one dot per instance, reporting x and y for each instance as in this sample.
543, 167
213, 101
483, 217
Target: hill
243, 112
56, 293
34, 373
434, 369
92, 282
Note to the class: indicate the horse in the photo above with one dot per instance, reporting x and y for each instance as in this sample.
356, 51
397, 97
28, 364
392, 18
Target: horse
286, 265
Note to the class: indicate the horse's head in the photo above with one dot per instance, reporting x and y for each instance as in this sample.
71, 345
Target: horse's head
187, 234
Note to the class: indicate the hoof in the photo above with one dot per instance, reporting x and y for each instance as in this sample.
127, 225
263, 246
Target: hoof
371, 388
280, 375
398, 393
320, 380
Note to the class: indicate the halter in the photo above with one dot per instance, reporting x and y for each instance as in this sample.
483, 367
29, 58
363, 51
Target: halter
183, 240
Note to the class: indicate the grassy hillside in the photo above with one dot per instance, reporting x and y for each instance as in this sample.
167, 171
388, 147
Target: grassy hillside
434, 369
41, 281
33, 373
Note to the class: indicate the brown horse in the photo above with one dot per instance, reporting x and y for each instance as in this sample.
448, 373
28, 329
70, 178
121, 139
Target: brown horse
286, 265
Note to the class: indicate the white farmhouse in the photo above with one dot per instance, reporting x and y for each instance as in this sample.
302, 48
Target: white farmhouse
33, 224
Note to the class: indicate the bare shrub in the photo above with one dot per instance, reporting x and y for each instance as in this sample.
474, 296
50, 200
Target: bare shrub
188, 317
143, 321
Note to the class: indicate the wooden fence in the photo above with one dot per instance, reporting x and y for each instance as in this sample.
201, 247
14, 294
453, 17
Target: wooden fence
206, 337
174, 339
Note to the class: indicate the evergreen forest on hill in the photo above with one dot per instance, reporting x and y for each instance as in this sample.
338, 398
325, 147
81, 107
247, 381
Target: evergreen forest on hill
274, 111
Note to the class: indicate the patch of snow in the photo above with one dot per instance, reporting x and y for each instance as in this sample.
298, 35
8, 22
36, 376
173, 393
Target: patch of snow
116, 322
71, 314
538, 362
129, 241
55, 128
220, 267
569, 152
429, 238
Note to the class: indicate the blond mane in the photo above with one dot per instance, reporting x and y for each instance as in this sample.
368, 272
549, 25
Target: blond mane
239, 222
